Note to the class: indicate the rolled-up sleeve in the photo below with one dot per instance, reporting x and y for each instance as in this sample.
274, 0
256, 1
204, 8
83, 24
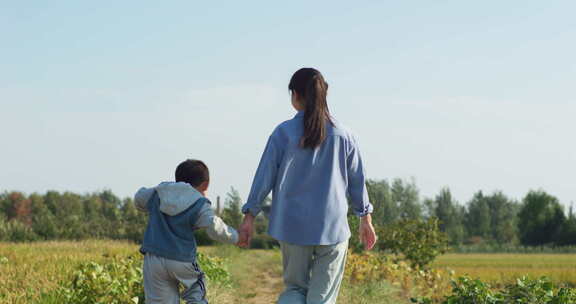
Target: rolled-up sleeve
357, 182
265, 177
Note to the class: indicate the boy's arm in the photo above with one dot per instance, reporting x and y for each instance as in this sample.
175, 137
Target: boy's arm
215, 226
142, 197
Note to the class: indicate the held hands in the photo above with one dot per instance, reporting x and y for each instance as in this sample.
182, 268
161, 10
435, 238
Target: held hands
245, 230
367, 234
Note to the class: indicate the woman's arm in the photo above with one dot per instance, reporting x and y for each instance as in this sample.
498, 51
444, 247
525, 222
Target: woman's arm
265, 177
359, 197
357, 183
264, 181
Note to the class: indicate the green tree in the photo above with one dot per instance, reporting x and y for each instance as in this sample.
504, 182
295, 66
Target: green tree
385, 209
232, 213
504, 218
567, 234
540, 218
133, 222
478, 219
111, 205
405, 195
44, 223
450, 214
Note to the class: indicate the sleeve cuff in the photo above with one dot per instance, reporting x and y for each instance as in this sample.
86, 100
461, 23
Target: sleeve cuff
252, 210
367, 210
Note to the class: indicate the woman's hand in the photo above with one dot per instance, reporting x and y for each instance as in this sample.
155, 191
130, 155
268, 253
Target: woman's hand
367, 234
245, 231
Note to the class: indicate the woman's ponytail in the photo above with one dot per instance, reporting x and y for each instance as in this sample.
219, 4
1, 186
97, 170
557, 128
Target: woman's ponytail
312, 89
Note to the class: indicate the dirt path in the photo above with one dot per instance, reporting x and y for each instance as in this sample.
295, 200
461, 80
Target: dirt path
260, 277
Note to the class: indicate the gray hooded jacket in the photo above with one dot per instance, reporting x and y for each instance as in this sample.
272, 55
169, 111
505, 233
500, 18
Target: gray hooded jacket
175, 210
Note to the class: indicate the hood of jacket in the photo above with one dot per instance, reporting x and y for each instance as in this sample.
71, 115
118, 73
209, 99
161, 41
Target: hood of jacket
175, 197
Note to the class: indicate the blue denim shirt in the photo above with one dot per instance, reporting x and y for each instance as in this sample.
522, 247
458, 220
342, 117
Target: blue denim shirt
310, 187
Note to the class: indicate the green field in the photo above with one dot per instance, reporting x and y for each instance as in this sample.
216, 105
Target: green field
29, 270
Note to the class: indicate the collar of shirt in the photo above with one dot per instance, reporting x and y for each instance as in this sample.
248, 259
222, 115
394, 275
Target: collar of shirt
299, 114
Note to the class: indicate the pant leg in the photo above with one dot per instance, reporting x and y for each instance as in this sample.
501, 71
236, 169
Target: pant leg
159, 286
191, 278
327, 272
296, 261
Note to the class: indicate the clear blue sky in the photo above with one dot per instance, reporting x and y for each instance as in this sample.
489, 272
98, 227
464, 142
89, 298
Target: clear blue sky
474, 95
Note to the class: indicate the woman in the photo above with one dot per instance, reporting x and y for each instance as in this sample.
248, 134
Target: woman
312, 164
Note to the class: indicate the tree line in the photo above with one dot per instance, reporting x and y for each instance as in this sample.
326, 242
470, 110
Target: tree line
539, 219
487, 218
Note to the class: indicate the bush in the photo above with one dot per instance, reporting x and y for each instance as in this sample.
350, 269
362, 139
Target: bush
116, 282
525, 291
366, 268
536, 292
418, 241
215, 269
15, 231
202, 238
354, 242
264, 241
120, 281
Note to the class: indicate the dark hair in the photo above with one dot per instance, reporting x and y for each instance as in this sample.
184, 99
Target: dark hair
193, 172
312, 89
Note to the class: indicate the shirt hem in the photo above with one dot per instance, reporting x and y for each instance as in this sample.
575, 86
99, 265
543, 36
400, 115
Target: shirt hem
161, 253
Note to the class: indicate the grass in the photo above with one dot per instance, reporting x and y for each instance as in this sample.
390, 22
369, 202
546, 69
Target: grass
256, 274
373, 292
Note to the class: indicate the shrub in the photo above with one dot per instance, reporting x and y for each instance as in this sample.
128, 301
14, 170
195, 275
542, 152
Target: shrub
202, 238
418, 241
215, 269
263, 241
120, 281
366, 268
16, 231
537, 291
116, 282
466, 290
523, 291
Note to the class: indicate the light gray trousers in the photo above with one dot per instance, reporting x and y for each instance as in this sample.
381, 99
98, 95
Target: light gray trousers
162, 278
312, 274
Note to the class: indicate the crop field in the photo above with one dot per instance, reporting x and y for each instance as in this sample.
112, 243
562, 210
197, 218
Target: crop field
505, 268
29, 272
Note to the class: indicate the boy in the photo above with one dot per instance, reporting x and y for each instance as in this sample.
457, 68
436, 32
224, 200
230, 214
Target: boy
176, 209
